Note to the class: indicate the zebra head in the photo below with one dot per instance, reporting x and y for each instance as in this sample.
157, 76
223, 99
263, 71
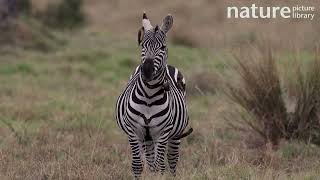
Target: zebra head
154, 51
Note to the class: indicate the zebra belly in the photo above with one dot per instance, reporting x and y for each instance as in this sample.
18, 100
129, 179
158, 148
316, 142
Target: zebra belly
151, 123
179, 112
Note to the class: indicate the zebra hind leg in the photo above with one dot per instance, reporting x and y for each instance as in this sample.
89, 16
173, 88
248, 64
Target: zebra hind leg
173, 155
149, 154
137, 163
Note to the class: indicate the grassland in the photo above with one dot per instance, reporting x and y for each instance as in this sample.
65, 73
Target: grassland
57, 121
58, 94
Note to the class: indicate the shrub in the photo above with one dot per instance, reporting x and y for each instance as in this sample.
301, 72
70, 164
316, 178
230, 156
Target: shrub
66, 14
259, 93
23, 6
305, 120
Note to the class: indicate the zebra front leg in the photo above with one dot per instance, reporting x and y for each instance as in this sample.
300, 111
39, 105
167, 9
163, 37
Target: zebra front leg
173, 155
160, 149
149, 153
137, 163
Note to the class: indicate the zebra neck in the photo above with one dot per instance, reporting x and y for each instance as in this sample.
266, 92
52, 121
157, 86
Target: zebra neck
153, 87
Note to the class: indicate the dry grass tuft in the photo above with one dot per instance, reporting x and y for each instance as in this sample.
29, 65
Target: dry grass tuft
260, 94
305, 120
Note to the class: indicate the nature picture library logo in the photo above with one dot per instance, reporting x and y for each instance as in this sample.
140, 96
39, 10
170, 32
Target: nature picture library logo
268, 12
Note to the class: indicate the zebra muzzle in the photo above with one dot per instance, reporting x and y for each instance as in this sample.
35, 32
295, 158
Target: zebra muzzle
147, 69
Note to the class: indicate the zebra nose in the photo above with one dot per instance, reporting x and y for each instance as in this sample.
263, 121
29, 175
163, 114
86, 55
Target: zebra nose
147, 68
148, 60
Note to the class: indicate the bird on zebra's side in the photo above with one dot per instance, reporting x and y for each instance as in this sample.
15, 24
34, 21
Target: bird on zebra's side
152, 108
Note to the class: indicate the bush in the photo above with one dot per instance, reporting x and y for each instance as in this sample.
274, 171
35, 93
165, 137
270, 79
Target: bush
66, 14
30, 34
260, 94
305, 120
23, 6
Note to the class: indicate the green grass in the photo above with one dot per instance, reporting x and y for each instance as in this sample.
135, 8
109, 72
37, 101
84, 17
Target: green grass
62, 103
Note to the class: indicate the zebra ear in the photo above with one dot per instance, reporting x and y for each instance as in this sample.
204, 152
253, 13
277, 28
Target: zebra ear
167, 23
146, 22
140, 35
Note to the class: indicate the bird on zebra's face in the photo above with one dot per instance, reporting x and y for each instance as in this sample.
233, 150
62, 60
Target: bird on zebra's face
154, 52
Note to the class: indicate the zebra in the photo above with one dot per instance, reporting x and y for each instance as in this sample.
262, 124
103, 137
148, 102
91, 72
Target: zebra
152, 109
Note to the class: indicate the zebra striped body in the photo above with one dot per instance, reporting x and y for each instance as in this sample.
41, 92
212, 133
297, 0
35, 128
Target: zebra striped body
152, 116
149, 115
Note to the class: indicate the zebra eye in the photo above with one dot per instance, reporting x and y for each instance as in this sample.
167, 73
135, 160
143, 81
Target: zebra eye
163, 47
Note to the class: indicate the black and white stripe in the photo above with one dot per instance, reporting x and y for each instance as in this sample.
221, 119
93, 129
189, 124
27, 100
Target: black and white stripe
153, 117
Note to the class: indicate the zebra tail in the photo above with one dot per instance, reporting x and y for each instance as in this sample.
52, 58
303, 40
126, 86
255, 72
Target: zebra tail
185, 134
